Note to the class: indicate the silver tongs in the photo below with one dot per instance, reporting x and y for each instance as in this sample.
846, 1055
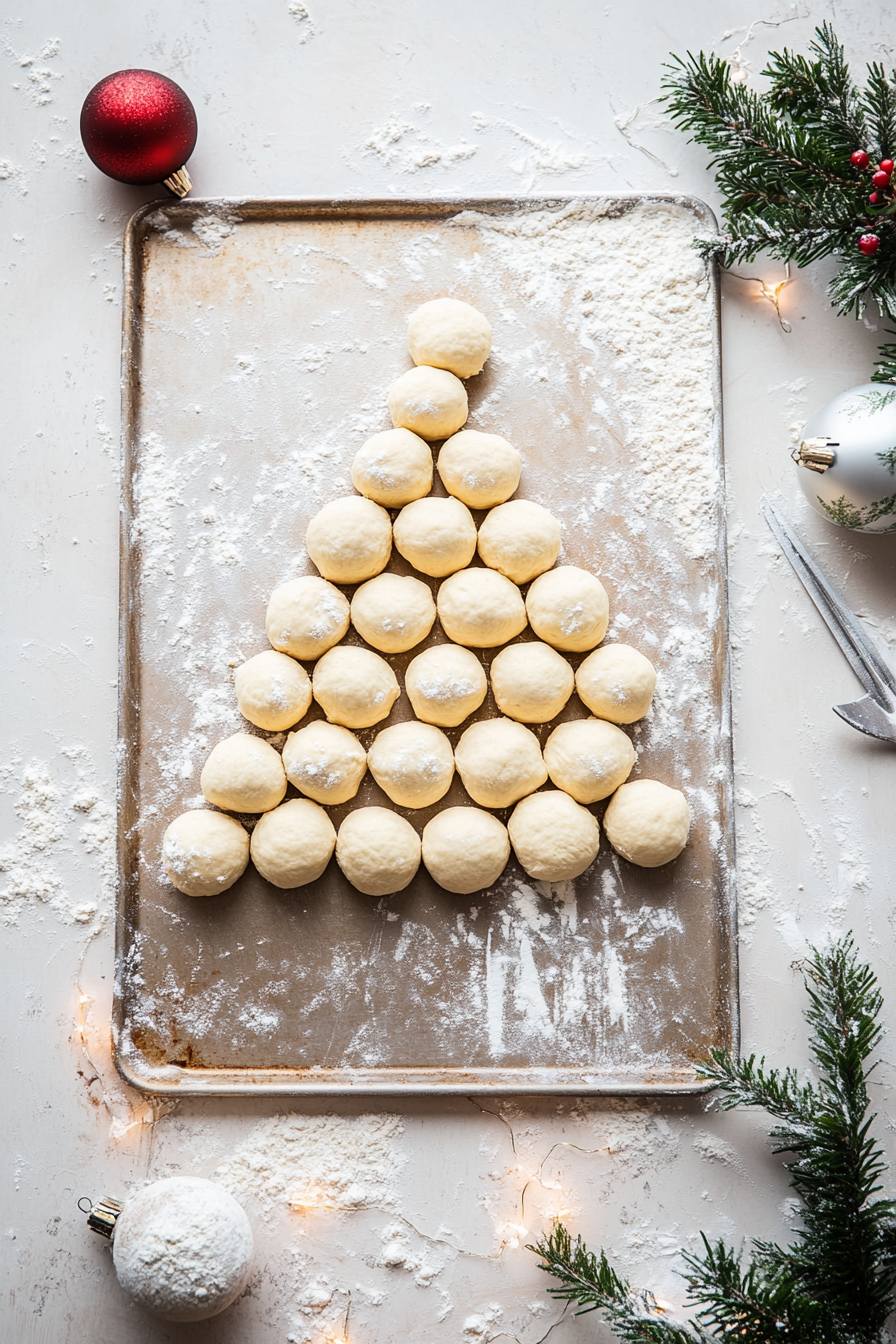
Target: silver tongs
875, 713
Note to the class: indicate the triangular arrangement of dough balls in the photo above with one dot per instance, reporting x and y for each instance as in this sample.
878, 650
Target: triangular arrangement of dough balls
500, 761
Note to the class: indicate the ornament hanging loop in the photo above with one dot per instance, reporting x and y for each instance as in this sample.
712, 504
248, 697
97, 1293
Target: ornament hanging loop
816, 454
102, 1216
179, 183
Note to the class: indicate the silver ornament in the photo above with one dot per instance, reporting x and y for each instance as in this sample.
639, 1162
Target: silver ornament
847, 459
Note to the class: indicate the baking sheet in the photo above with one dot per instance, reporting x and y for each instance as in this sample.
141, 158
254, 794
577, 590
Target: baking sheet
260, 338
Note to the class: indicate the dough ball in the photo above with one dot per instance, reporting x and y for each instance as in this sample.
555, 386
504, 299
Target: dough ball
413, 763
520, 539
436, 536
647, 822
306, 617
325, 762
377, 850
350, 539
445, 684
183, 1248
450, 334
480, 469
204, 852
616, 683
393, 612
589, 758
354, 687
292, 845
272, 691
553, 837
568, 608
499, 762
481, 608
465, 850
429, 402
393, 468
243, 774
531, 682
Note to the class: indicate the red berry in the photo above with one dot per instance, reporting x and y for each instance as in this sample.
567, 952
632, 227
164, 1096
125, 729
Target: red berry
874, 198
859, 159
881, 179
887, 165
868, 244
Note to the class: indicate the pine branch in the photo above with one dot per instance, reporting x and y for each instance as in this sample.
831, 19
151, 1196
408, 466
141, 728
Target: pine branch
782, 162
885, 364
594, 1284
754, 1305
836, 1283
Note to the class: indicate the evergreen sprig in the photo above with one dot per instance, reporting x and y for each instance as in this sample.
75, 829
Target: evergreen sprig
836, 1283
782, 162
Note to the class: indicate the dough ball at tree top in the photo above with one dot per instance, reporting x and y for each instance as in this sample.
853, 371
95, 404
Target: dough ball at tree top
480, 608
481, 470
499, 762
273, 691
393, 612
589, 758
413, 763
519, 539
325, 762
647, 822
377, 850
354, 687
465, 849
450, 334
436, 536
553, 837
393, 468
292, 845
616, 683
429, 402
445, 684
204, 852
243, 774
531, 682
568, 608
306, 616
350, 539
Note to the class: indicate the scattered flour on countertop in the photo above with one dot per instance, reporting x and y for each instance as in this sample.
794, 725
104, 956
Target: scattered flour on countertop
303, 19
62, 816
327, 1160
402, 145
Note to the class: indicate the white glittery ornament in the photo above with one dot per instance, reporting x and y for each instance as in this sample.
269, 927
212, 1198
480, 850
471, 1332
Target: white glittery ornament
183, 1248
847, 459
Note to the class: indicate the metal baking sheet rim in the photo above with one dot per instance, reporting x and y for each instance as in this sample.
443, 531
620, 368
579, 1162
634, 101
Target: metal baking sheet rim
394, 1081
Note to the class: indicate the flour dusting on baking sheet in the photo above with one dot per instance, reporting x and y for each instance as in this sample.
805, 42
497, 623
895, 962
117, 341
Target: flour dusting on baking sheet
268, 345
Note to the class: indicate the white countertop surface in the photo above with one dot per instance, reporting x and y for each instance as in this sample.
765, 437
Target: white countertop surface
349, 99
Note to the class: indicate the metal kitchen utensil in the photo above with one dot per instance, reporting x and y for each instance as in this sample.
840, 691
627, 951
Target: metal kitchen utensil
874, 713
260, 338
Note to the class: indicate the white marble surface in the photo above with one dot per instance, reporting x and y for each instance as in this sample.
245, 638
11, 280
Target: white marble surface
349, 101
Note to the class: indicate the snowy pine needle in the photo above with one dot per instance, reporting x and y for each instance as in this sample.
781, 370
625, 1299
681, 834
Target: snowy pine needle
836, 1283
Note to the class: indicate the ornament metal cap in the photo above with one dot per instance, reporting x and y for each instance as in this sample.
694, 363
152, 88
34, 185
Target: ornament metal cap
179, 183
816, 454
103, 1215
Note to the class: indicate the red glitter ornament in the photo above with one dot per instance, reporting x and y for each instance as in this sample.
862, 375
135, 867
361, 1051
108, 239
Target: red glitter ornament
868, 244
859, 159
140, 127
